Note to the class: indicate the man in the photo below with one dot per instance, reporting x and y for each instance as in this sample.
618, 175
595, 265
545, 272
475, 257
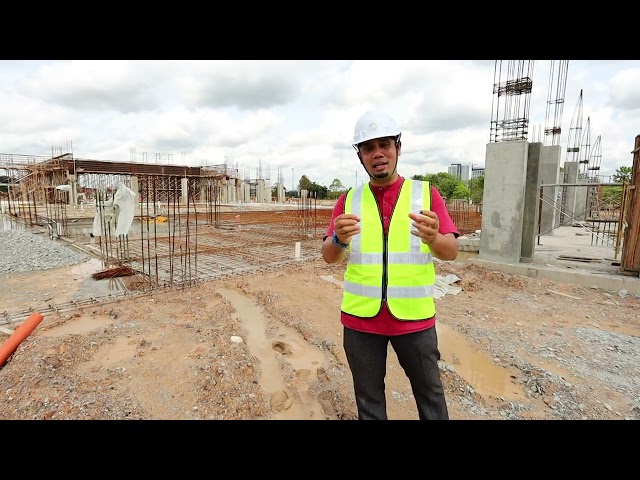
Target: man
392, 228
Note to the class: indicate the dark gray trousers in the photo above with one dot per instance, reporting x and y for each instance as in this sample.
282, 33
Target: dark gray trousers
418, 355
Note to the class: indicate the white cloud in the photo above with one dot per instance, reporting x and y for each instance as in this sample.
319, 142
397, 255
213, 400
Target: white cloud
278, 118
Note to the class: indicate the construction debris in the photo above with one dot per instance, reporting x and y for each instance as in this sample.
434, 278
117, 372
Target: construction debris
122, 271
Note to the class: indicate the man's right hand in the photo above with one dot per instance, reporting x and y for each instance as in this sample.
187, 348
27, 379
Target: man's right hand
346, 226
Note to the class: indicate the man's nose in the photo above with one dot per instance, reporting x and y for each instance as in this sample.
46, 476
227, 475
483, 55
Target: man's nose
378, 150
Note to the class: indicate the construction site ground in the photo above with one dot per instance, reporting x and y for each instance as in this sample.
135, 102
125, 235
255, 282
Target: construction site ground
249, 329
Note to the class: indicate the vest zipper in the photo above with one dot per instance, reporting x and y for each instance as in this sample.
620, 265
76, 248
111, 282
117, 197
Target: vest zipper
384, 267
385, 245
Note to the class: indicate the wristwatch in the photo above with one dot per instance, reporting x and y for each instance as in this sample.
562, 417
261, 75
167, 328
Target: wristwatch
335, 241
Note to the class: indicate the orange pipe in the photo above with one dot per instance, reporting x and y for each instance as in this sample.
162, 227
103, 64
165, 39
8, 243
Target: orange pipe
11, 344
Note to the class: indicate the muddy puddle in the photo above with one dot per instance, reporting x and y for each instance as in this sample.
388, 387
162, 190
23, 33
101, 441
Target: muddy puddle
477, 368
287, 346
83, 324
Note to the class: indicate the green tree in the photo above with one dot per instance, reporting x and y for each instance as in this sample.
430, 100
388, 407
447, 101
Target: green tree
613, 195
623, 174
476, 189
319, 192
336, 186
461, 191
444, 182
304, 183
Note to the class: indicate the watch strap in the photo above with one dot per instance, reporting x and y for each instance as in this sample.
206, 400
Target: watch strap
336, 241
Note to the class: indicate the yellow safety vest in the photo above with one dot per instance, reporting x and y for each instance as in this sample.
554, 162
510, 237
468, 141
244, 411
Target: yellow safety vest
397, 268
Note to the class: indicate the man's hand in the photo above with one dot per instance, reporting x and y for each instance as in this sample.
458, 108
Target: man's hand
346, 226
426, 226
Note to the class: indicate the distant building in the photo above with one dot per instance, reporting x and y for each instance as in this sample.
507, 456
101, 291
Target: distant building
461, 172
477, 172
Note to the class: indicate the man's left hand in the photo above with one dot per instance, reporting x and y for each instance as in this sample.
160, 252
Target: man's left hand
426, 226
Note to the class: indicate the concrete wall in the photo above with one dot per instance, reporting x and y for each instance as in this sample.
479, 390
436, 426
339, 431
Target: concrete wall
549, 173
503, 201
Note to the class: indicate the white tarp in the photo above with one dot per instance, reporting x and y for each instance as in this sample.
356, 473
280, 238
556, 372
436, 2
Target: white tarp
116, 213
104, 216
125, 201
445, 285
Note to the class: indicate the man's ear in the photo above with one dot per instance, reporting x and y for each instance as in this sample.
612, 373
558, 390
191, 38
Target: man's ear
398, 147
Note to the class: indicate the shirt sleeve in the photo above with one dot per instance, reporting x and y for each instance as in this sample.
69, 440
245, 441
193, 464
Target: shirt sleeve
338, 209
437, 205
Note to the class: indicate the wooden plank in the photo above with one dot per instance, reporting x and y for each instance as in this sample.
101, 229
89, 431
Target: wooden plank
562, 294
630, 259
579, 259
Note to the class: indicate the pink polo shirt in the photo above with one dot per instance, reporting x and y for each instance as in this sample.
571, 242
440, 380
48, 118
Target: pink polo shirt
384, 323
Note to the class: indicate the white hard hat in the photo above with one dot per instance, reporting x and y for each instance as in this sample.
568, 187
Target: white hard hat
374, 124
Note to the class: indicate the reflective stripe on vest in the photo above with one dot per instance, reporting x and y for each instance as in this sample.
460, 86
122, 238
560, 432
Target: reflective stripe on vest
410, 286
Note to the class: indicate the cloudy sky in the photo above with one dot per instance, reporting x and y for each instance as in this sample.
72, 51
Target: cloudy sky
281, 119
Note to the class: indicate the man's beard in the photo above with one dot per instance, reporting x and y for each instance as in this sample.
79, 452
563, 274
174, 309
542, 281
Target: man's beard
380, 175
385, 174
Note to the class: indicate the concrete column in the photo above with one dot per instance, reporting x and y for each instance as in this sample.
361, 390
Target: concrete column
184, 191
530, 211
581, 200
263, 195
72, 197
231, 192
549, 174
503, 201
134, 185
574, 206
204, 186
73, 193
281, 193
224, 190
246, 192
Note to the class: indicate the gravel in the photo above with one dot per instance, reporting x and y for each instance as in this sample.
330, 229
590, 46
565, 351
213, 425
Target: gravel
27, 252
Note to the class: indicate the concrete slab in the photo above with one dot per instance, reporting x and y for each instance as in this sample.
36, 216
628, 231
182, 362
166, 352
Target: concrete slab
575, 255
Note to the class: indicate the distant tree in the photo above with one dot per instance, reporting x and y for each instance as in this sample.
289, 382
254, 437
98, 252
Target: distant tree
336, 186
304, 183
612, 195
336, 189
461, 191
623, 174
319, 192
476, 189
444, 182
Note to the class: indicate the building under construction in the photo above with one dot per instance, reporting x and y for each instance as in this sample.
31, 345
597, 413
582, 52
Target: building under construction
189, 223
